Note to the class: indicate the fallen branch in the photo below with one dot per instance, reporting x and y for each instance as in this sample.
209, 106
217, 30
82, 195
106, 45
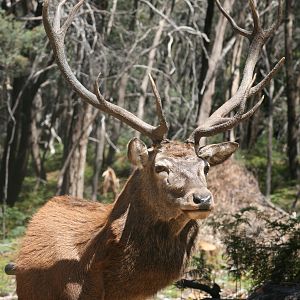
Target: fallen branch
213, 291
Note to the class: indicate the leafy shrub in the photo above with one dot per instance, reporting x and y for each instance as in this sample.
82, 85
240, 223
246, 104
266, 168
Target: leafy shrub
18, 46
8, 249
261, 248
17, 217
14, 221
202, 269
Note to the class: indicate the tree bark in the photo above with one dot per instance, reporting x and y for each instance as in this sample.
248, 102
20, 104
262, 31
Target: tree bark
204, 60
291, 92
75, 152
270, 139
35, 138
17, 144
235, 73
98, 161
116, 127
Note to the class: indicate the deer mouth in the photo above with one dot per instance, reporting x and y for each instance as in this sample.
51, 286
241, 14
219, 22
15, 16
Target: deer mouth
197, 211
192, 207
197, 214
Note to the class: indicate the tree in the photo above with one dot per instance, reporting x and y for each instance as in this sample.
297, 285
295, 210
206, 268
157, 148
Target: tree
292, 92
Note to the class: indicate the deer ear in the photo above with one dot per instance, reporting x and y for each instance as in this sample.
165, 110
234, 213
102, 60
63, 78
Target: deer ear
137, 153
217, 153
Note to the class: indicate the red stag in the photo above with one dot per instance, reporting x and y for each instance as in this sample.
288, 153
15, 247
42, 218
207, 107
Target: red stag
76, 249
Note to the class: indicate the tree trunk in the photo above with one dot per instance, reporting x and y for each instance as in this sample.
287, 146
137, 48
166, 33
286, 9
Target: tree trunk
235, 74
116, 127
17, 145
98, 161
204, 56
133, 15
75, 149
291, 92
270, 140
35, 138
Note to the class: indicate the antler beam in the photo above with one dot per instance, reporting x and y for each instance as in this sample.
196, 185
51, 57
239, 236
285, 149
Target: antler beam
56, 34
218, 122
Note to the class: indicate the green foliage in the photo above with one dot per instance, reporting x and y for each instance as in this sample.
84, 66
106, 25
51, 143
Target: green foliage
203, 268
18, 45
8, 249
269, 252
15, 221
256, 161
283, 191
31, 198
284, 197
54, 162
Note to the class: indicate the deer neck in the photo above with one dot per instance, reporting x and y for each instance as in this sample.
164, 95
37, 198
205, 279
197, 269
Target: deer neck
132, 213
138, 244
133, 222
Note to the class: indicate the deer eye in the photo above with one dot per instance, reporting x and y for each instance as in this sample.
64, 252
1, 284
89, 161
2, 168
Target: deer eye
206, 168
159, 169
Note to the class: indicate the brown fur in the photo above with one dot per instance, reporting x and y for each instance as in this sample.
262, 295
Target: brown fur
77, 249
177, 149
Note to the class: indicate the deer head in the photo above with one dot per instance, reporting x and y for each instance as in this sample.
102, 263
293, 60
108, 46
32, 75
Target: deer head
175, 171
177, 176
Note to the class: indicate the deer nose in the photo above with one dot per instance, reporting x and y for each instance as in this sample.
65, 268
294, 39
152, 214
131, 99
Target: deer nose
203, 201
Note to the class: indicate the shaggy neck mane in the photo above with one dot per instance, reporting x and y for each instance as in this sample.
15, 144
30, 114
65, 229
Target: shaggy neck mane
132, 218
135, 243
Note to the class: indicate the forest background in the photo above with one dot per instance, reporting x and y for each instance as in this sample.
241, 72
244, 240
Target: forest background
51, 143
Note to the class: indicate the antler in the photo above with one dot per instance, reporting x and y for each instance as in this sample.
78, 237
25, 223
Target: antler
56, 34
218, 122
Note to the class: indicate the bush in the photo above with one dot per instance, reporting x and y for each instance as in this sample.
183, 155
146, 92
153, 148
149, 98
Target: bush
261, 248
18, 46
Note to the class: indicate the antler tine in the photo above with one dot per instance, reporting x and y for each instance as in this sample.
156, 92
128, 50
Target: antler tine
255, 16
243, 102
257, 88
217, 122
235, 27
56, 34
228, 123
56, 21
222, 124
161, 116
71, 16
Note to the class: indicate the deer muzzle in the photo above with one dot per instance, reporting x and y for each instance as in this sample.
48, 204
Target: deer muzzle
203, 202
197, 204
